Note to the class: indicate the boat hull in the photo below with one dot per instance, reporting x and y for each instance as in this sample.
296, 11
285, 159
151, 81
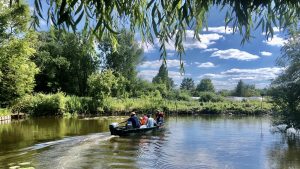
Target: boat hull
123, 131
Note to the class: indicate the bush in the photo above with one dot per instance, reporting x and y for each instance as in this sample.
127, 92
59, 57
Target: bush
209, 97
54, 104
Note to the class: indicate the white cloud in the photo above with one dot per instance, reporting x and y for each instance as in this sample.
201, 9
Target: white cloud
228, 79
275, 41
148, 47
170, 54
147, 74
155, 64
265, 53
206, 65
275, 30
234, 54
258, 74
220, 29
191, 43
210, 50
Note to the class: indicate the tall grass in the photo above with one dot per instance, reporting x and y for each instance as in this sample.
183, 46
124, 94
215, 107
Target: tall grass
60, 104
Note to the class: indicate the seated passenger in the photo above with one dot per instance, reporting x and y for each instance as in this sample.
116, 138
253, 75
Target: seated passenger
160, 118
151, 122
134, 121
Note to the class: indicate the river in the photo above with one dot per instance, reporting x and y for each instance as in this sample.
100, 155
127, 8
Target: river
187, 142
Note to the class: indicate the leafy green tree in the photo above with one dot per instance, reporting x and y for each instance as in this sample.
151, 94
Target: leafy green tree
13, 20
165, 19
106, 84
16, 48
66, 61
162, 77
205, 85
240, 89
187, 84
125, 58
246, 90
285, 89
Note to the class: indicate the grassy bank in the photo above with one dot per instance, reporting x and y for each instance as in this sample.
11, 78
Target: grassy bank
62, 105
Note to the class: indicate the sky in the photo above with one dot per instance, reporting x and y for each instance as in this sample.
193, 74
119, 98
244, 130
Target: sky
218, 56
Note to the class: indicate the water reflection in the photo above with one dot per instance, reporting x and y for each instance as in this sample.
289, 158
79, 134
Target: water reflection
187, 142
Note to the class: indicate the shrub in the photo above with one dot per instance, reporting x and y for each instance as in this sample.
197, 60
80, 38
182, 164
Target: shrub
209, 97
55, 104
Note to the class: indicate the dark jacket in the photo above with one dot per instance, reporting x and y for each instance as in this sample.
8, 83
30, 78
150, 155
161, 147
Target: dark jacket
135, 122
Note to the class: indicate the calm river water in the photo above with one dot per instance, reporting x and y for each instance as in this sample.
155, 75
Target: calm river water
187, 142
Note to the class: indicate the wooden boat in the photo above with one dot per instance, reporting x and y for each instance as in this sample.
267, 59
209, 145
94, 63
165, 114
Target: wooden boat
123, 131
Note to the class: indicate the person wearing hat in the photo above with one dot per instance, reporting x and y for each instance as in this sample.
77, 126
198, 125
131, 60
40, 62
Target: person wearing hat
133, 120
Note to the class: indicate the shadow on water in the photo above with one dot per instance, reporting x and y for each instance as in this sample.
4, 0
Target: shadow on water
187, 142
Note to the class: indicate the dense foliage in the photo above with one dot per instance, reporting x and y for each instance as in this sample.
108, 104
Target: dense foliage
17, 71
165, 19
66, 61
286, 88
246, 90
162, 77
187, 84
205, 85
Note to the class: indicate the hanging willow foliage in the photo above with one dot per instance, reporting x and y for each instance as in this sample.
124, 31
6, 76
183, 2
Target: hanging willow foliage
166, 20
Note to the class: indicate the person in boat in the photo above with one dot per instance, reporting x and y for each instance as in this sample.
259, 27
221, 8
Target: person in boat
150, 122
133, 121
145, 119
159, 118
143, 123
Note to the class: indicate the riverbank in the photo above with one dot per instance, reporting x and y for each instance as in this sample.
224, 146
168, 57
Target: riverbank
61, 105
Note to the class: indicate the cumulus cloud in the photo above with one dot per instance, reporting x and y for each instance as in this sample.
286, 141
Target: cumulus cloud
228, 79
275, 41
155, 64
147, 74
275, 30
220, 29
259, 74
210, 50
234, 54
148, 47
189, 42
206, 65
265, 53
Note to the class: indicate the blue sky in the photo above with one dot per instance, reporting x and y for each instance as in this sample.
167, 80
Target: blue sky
220, 56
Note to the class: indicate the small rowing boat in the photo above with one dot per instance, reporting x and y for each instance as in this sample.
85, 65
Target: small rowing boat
123, 131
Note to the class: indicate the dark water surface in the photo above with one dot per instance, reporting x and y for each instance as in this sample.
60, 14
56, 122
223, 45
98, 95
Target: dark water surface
187, 142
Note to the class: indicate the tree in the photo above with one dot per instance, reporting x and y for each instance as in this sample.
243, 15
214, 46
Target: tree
16, 49
106, 84
285, 89
125, 58
240, 89
187, 84
162, 77
66, 61
205, 85
165, 19
245, 90
13, 20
